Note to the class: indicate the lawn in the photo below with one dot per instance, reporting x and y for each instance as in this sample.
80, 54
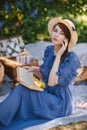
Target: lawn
73, 126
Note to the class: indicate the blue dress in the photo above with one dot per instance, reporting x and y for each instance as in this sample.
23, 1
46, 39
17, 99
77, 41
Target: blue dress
23, 104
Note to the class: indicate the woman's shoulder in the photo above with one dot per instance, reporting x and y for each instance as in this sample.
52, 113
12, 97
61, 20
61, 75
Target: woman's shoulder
72, 59
71, 62
73, 56
49, 48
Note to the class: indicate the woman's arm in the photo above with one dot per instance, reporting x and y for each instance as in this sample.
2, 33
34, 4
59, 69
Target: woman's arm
53, 77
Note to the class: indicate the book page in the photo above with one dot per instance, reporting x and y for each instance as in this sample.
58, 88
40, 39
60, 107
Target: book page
26, 78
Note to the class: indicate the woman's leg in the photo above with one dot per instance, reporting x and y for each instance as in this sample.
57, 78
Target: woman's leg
10, 105
82, 105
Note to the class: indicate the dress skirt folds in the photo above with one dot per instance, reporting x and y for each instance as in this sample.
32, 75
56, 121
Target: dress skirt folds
24, 105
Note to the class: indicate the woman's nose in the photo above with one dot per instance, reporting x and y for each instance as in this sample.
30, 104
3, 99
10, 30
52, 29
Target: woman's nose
56, 34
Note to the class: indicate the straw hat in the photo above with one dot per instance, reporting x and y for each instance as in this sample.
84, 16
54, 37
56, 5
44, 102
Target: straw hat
69, 25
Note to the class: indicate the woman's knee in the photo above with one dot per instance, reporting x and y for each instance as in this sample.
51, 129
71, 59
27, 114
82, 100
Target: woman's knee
19, 88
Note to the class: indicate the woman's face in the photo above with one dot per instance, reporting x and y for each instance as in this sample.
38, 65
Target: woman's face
58, 36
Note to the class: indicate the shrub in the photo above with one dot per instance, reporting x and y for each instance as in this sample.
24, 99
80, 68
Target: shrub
29, 18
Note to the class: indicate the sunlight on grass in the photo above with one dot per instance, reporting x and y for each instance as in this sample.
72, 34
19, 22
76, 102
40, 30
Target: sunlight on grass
73, 126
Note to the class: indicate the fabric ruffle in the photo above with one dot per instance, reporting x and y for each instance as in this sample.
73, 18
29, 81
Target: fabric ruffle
68, 70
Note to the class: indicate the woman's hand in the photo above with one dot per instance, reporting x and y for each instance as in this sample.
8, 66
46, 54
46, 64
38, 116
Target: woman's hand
28, 68
63, 48
34, 63
34, 70
1, 73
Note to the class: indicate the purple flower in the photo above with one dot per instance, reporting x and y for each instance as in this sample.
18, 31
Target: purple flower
19, 4
34, 13
1, 24
7, 6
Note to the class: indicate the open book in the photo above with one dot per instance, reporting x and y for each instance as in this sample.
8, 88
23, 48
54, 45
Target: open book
27, 79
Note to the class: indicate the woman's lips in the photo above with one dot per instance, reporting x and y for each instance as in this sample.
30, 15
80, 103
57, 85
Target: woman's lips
55, 39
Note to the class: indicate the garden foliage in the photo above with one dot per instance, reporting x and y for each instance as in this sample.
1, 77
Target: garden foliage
29, 18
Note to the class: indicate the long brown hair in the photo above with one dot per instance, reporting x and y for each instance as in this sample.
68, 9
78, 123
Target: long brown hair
67, 35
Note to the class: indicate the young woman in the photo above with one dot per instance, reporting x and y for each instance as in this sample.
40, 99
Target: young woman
58, 72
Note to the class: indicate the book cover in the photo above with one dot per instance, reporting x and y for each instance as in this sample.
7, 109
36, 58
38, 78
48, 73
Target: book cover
27, 79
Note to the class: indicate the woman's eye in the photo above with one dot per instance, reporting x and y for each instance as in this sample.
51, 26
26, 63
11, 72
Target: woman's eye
55, 30
62, 33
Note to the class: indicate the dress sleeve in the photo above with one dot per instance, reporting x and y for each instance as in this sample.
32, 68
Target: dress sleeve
67, 70
45, 58
46, 52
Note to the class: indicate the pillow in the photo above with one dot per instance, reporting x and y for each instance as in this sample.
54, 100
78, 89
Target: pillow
11, 46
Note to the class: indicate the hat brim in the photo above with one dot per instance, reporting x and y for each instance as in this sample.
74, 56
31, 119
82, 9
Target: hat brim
74, 35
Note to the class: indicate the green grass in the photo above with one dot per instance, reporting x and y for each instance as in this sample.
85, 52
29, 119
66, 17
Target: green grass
73, 126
